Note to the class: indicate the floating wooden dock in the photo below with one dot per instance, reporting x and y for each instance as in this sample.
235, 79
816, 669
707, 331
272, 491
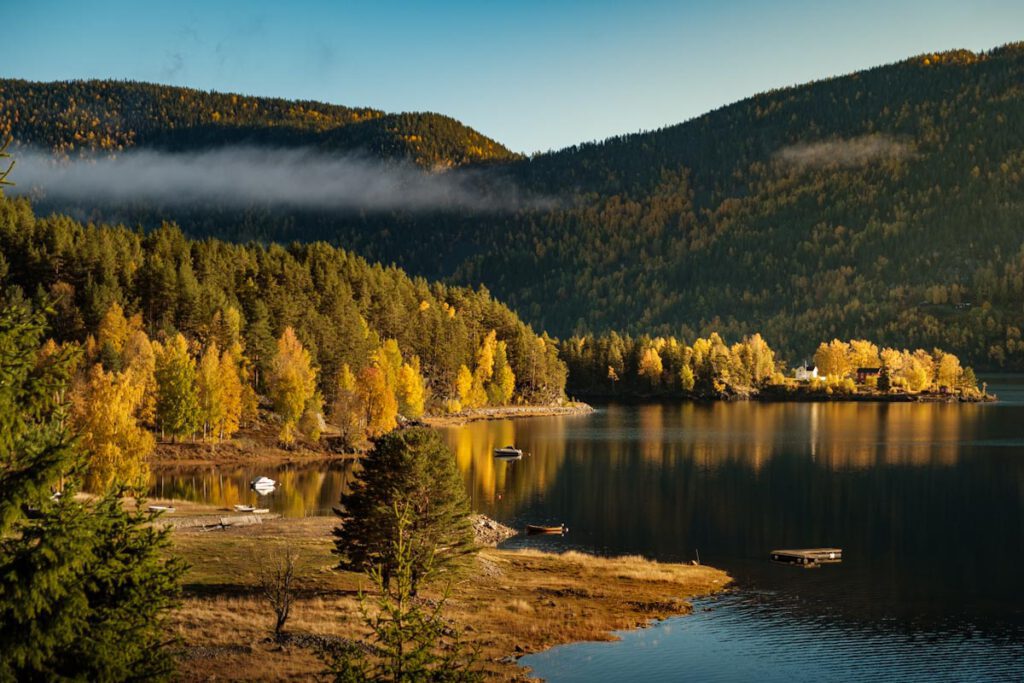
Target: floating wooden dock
808, 557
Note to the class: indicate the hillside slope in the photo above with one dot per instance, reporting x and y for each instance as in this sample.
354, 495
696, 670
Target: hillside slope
74, 117
883, 204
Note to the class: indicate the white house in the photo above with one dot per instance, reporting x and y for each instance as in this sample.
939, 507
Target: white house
805, 373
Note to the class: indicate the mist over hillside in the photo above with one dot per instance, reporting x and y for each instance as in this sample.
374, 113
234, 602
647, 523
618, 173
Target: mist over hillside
882, 204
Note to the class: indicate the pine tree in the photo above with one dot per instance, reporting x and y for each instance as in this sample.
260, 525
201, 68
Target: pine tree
292, 382
412, 640
414, 469
177, 404
85, 588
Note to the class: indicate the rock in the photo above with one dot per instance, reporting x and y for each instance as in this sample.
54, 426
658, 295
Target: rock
489, 532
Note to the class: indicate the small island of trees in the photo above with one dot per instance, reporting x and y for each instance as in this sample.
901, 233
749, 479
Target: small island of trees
614, 366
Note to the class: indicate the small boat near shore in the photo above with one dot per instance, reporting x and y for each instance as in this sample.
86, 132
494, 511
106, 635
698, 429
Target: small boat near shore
508, 453
261, 484
542, 529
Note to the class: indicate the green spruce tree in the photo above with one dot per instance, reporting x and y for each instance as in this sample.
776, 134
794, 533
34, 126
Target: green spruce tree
85, 588
414, 469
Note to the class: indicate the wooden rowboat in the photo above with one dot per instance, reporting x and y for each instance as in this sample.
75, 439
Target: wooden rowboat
541, 529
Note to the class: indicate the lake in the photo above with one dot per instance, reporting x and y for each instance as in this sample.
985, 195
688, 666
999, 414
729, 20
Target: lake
927, 502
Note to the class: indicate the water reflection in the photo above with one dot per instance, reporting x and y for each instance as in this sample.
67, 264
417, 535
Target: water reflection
302, 490
927, 502
925, 499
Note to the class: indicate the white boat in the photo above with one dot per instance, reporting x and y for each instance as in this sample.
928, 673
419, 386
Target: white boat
161, 508
508, 453
245, 508
263, 484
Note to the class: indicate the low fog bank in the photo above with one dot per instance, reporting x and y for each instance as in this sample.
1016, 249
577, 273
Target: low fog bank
246, 176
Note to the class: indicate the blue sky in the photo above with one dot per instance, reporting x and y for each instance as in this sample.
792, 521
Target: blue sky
534, 75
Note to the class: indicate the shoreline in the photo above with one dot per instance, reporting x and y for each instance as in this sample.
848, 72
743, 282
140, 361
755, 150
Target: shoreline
508, 604
259, 446
507, 413
794, 397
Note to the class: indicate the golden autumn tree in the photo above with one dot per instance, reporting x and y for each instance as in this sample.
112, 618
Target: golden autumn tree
482, 373
347, 412
291, 381
113, 328
411, 391
948, 374
833, 359
389, 359
233, 395
463, 387
380, 408
864, 354
212, 408
103, 408
503, 383
651, 366
139, 361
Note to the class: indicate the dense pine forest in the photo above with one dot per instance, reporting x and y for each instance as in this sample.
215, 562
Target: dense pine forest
308, 315
882, 204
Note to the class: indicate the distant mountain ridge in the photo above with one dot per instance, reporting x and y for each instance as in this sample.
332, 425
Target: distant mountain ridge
72, 117
886, 204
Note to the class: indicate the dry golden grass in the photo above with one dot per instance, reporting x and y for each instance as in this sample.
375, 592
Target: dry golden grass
511, 602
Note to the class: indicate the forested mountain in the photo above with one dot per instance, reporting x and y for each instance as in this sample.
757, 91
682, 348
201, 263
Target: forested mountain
86, 117
883, 204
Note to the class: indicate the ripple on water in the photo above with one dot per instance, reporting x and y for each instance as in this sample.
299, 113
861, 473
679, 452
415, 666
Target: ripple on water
747, 636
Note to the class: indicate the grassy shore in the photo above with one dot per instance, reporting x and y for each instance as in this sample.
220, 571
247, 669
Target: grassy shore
510, 602
506, 413
259, 444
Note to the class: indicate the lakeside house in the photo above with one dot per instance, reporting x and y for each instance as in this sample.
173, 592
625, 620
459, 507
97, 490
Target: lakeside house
864, 374
805, 373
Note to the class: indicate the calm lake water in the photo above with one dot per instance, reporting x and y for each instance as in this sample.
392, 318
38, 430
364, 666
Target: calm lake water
927, 502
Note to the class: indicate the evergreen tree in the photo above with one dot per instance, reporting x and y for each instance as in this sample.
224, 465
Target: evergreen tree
412, 641
85, 588
413, 469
